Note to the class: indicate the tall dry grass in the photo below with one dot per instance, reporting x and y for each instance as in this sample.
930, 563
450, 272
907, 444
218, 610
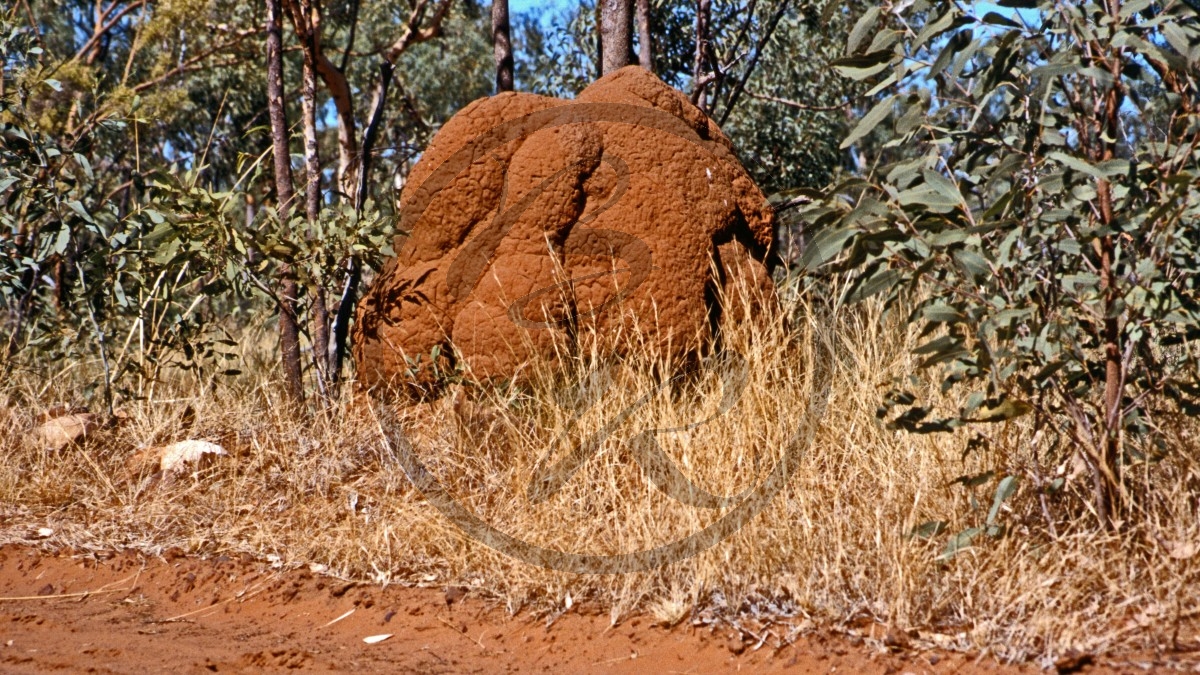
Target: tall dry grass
834, 548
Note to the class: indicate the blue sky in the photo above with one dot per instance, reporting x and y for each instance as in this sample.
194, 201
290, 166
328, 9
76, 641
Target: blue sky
525, 6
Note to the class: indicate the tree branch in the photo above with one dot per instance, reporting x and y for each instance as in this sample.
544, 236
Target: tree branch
106, 26
413, 33
350, 38
796, 104
758, 50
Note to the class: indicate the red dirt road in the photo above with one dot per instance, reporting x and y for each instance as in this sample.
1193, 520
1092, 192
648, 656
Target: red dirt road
128, 613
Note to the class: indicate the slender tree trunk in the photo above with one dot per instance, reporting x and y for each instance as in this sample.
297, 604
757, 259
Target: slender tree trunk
29, 281
341, 319
275, 109
616, 34
386, 69
1110, 497
645, 44
599, 40
339, 89
289, 333
699, 63
1110, 500
306, 17
312, 192
502, 45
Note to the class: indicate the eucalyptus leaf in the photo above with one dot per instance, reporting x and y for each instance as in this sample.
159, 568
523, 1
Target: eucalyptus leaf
869, 121
1006, 489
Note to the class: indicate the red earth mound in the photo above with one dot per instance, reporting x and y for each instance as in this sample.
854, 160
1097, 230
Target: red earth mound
538, 226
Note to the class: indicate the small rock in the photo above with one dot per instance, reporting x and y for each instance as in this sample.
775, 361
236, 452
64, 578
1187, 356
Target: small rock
58, 433
1182, 550
454, 594
1073, 662
896, 639
173, 458
736, 645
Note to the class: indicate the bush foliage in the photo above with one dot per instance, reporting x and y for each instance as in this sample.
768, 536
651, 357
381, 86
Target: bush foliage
1035, 184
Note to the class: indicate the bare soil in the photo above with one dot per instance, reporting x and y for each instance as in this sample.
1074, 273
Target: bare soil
132, 613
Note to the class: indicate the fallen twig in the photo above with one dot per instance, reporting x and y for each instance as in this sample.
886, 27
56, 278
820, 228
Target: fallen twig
81, 594
463, 633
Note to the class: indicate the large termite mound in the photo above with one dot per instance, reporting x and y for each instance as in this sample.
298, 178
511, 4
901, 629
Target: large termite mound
539, 227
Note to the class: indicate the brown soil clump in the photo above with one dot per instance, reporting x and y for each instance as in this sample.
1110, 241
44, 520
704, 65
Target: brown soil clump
539, 227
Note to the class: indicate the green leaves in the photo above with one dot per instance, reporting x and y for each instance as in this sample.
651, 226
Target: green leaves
869, 121
1006, 489
1007, 409
824, 247
169, 255
861, 28
1036, 197
929, 197
960, 542
936, 27
865, 66
1077, 164
991, 526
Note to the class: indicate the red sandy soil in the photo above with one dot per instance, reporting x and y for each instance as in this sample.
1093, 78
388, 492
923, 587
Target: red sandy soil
131, 613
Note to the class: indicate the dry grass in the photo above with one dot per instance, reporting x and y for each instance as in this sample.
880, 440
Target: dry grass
834, 547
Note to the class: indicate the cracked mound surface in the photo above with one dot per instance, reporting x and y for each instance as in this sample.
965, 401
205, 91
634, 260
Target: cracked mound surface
539, 226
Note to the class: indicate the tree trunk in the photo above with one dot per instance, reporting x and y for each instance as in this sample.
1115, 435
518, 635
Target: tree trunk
341, 319
703, 13
1109, 500
335, 81
353, 163
1110, 496
645, 45
599, 40
502, 45
312, 192
616, 34
289, 334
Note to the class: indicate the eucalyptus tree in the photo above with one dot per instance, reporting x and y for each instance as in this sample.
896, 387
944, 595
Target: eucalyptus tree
136, 161
99, 100
616, 34
1039, 191
502, 45
645, 33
